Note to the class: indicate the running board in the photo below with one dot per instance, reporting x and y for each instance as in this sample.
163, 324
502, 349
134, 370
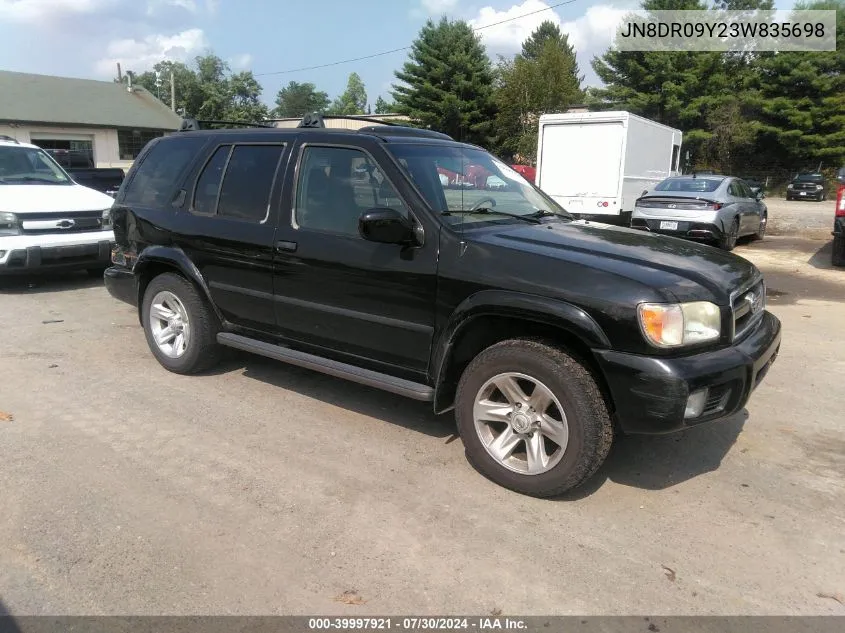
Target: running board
362, 376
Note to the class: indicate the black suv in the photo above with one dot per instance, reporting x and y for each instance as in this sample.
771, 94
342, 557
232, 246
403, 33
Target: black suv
807, 187
346, 252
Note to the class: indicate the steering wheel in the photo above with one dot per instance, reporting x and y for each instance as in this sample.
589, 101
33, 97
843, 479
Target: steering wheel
484, 202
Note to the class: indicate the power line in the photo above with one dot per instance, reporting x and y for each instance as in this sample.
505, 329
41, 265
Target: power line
405, 48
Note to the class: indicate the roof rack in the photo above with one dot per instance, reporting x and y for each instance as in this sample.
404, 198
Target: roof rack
192, 125
316, 119
3, 137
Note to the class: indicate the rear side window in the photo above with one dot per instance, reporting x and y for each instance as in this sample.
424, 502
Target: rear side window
155, 177
245, 193
237, 181
208, 186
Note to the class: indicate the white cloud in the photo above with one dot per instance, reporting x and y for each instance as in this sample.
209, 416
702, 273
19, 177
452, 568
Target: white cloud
507, 38
437, 7
38, 10
591, 34
241, 62
212, 5
142, 54
157, 6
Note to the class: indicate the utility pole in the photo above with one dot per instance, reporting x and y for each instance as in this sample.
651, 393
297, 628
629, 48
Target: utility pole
119, 74
172, 92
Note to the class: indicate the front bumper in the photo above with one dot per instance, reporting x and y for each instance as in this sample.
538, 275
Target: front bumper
805, 195
122, 284
685, 228
57, 256
650, 393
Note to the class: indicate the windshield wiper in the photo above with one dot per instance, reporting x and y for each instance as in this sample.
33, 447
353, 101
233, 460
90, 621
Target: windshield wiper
490, 211
31, 179
542, 213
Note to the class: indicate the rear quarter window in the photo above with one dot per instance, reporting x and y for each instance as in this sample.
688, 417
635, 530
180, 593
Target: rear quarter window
160, 169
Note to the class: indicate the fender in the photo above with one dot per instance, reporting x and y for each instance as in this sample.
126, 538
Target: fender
561, 314
173, 257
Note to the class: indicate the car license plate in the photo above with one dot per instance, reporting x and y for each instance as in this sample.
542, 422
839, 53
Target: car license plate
669, 226
803, 193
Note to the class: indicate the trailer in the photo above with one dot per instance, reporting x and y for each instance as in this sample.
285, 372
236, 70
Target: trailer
596, 164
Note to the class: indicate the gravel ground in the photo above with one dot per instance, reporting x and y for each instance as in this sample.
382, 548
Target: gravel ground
265, 489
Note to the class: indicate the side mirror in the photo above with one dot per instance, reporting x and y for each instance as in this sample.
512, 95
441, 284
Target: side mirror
759, 195
840, 176
386, 226
645, 191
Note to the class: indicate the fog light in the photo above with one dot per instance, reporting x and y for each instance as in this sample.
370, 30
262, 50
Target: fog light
695, 403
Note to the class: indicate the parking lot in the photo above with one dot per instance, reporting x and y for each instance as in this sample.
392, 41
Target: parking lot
264, 488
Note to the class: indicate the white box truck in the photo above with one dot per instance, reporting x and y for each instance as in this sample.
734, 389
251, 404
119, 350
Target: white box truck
596, 164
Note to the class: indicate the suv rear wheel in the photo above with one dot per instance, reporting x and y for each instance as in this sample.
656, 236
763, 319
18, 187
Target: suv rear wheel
532, 418
180, 328
838, 255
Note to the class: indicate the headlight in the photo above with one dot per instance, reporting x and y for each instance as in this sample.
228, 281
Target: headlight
106, 220
819, 187
9, 224
789, 186
676, 324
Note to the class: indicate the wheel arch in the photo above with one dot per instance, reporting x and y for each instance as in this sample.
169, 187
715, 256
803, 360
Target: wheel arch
492, 316
157, 260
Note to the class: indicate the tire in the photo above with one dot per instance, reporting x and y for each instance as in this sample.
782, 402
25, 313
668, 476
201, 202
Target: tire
728, 241
585, 429
198, 349
761, 230
837, 258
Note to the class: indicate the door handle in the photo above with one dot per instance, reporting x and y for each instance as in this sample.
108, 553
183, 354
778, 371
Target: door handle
284, 246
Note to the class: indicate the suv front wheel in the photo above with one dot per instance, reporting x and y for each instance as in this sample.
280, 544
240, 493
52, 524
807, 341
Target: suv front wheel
180, 328
532, 418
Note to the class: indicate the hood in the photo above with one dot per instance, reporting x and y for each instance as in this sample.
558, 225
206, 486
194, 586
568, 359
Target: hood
23, 199
688, 270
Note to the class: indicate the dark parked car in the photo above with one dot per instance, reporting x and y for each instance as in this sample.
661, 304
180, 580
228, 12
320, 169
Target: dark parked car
83, 171
756, 186
807, 187
543, 333
839, 221
718, 209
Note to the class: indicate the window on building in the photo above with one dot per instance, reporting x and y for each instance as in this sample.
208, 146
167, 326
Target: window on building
72, 154
131, 142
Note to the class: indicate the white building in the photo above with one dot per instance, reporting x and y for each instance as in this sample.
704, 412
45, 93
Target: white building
107, 120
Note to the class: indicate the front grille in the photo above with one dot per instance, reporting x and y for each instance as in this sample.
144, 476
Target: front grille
804, 186
748, 306
70, 222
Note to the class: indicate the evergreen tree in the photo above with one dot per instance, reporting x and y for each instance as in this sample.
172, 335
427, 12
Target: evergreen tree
298, 99
447, 82
354, 98
529, 87
384, 107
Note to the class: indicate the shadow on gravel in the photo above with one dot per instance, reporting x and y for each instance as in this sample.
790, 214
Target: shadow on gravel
404, 412
662, 461
647, 462
7, 621
822, 258
48, 282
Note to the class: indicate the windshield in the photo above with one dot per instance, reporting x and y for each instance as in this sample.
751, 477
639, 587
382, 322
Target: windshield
471, 185
29, 165
809, 178
689, 184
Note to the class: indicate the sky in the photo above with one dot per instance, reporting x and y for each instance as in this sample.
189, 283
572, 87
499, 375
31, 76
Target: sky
87, 38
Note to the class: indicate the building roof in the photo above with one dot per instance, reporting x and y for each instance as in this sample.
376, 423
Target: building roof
69, 101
